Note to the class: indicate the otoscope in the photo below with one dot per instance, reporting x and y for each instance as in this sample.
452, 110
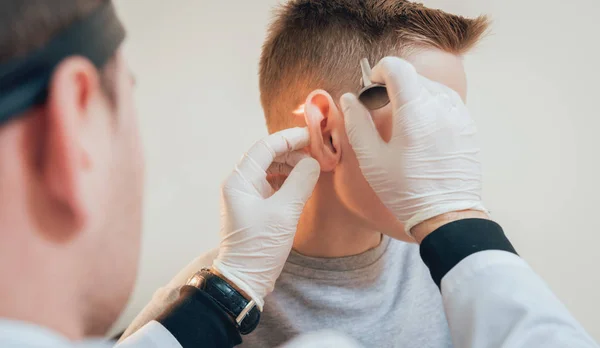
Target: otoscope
373, 95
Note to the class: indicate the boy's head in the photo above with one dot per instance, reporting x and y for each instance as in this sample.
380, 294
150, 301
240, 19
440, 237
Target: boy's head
311, 57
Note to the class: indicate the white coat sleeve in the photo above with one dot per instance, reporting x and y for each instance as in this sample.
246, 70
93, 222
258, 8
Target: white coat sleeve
151, 335
491, 296
494, 299
169, 293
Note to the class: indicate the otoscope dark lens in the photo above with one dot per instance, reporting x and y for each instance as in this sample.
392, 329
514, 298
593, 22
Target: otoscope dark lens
374, 97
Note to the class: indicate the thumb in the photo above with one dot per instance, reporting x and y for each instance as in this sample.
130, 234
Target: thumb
361, 131
301, 182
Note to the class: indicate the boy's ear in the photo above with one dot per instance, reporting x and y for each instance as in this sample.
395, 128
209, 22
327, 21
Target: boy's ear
325, 124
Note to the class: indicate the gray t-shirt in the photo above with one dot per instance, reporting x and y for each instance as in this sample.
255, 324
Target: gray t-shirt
382, 298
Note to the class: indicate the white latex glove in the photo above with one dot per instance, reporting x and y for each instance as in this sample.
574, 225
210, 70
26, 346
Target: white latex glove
258, 224
430, 166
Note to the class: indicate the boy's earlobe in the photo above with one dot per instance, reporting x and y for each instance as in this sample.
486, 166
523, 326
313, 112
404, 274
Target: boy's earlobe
325, 124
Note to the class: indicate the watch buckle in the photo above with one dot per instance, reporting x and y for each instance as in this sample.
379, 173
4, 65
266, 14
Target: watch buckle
245, 312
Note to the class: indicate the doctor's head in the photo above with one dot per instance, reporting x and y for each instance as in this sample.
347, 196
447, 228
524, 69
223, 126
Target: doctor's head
71, 170
311, 57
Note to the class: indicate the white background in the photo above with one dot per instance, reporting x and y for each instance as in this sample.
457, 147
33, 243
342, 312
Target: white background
534, 90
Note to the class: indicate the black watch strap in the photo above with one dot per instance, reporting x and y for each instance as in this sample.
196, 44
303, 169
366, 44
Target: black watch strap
229, 299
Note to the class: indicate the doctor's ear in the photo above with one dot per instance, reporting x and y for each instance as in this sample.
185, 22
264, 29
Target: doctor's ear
325, 124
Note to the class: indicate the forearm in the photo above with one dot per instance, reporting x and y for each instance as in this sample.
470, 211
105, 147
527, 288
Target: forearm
492, 298
193, 320
164, 297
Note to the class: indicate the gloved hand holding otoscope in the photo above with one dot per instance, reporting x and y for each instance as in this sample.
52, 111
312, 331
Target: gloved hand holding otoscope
430, 166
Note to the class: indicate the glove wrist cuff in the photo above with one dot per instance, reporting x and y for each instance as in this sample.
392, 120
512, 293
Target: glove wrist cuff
433, 212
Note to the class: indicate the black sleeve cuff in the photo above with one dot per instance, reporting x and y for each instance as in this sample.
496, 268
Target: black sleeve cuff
445, 247
196, 320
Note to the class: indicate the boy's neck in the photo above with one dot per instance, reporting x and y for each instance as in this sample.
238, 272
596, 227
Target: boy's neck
327, 229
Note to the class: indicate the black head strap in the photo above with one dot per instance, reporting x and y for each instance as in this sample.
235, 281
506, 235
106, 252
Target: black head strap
24, 80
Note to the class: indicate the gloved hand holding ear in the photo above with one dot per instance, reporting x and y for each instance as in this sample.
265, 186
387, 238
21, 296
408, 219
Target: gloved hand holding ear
430, 166
258, 224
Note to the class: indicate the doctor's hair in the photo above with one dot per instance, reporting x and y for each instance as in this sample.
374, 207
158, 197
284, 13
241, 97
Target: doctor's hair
27, 25
314, 44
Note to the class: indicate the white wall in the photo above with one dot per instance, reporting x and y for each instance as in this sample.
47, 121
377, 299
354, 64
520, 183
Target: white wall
533, 89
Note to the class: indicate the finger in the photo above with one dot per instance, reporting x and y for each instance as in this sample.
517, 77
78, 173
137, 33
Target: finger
291, 158
282, 166
433, 87
285, 163
253, 166
301, 182
252, 182
361, 130
264, 152
400, 78
440, 90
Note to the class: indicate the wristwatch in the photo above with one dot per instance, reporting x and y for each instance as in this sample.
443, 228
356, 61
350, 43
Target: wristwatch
244, 312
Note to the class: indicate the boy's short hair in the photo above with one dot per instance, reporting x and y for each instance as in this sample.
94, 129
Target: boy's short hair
318, 44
